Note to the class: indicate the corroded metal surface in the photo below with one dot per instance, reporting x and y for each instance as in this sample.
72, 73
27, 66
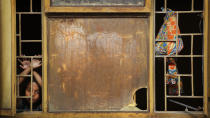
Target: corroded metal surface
98, 3
96, 64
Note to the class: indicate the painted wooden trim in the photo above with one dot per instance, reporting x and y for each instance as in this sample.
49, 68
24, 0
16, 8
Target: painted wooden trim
151, 87
49, 8
44, 59
13, 57
205, 89
109, 115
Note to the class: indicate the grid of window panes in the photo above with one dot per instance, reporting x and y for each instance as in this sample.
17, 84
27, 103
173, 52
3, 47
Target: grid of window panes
28, 55
189, 62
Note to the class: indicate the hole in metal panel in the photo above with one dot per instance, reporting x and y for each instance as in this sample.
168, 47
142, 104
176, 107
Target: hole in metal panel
141, 98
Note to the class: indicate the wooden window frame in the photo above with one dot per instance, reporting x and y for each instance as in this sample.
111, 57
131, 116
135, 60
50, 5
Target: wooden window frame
151, 113
98, 9
191, 56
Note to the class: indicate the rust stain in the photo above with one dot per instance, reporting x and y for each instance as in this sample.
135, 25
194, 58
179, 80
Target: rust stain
64, 67
59, 70
63, 87
75, 95
97, 70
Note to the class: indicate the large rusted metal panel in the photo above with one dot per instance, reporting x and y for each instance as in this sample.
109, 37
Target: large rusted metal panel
96, 64
140, 3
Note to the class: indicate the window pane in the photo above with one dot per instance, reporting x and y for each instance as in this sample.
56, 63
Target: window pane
198, 76
187, 25
31, 27
36, 5
179, 5
97, 2
31, 48
22, 5
177, 104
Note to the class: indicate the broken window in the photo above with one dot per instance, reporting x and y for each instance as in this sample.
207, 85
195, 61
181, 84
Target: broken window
179, 75
28, 55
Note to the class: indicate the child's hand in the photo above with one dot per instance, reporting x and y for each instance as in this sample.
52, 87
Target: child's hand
25, 64
36, 63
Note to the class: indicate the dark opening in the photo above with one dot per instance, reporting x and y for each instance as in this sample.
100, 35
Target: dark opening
22, 105
198, 76
187, 45
179, 5
141, 98
159, 84
196, 103
17, 46
17, 24
31, 27
22, 5
198, 4
186, 86
31, 49
183, 65
198, 45
159, 19
191, 22
36, 5
159, 4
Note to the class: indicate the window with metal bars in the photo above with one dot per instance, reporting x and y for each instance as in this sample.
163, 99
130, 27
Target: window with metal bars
28, 55
186, 91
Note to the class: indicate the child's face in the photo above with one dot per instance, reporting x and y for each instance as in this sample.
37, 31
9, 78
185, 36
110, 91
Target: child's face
35, 92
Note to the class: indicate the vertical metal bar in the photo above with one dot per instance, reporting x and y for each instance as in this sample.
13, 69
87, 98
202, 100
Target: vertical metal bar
18, 89
191, 54
153, 15
31, 9
165, 79
192, 7
44, 59
192, 77
14, 56
31, 103
165, 5
177, 22
205, 54
20, 35
179, 88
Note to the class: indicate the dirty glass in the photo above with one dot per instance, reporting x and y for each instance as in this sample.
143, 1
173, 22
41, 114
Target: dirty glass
140, 3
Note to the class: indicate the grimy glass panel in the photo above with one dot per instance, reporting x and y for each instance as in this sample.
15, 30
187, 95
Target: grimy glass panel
96, 64
140, 3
